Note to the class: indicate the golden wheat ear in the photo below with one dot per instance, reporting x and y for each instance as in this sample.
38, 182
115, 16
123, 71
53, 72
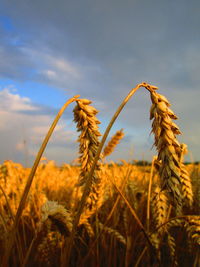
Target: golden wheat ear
165, 131
160, 207
87, 124
185, 179
192, 225
58, 215
114, 141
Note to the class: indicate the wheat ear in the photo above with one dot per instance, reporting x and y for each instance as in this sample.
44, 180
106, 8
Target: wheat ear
113, 232
165, 131
87, 124
160, 207
114, 141
54, 225
192, 226
59, 217
172, 249
185, 179
49, 249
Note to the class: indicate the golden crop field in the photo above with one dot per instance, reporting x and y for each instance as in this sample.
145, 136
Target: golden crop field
108, 234
100, 214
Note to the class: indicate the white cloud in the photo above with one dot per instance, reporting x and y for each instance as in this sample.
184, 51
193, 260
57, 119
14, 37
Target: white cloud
50, 66
22, 130
64, 66
50, 74
15, 103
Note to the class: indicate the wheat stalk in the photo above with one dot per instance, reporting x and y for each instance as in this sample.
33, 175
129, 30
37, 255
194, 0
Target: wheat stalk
30, 180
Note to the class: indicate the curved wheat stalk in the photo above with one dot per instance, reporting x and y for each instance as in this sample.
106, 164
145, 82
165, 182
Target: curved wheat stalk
30, 180
96, 158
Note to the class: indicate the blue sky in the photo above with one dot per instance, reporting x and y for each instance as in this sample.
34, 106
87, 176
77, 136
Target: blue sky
51, 50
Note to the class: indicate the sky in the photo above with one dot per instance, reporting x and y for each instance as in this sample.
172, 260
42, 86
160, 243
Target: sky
51, 50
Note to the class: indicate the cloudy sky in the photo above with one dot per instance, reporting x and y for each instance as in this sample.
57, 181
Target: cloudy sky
51, 50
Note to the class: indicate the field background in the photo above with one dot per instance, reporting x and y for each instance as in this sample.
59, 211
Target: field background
120, 240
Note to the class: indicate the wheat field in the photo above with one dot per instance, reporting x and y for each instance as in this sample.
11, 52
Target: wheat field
96, 213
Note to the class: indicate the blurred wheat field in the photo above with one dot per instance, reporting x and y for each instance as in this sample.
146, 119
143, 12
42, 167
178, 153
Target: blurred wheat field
100, 214
120, 240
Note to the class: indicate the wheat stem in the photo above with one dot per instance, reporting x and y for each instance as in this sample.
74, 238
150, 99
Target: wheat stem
134, 215
149, 193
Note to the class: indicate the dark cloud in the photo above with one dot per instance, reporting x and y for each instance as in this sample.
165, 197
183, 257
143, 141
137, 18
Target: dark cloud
119, 35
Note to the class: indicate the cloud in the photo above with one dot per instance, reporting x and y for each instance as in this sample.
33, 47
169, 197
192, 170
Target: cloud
101, 46
50, 66
25, 63
21, 131
15, 103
